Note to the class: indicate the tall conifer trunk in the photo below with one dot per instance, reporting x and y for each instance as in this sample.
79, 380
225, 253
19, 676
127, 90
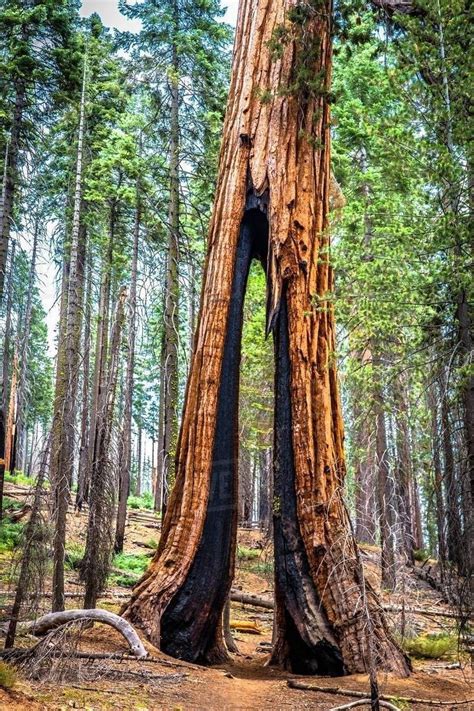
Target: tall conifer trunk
64, 415
125, 446
169, 364
10, 177
272, 203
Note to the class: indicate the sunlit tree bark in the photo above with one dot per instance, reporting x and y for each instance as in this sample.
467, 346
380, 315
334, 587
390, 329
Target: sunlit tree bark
272, 203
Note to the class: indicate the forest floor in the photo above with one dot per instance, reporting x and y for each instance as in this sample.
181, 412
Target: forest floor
162, 683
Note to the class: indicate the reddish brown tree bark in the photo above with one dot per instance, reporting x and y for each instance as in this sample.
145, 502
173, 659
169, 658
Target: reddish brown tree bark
272, 203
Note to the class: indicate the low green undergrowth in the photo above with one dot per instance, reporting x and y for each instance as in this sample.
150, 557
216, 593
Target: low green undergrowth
7, 676
263, 568
19, 478
74, 555
431, 646
10, 534
131, 563
11, 504
244, 553
145, 501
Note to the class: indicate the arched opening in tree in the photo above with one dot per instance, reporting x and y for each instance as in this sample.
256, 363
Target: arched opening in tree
275, 155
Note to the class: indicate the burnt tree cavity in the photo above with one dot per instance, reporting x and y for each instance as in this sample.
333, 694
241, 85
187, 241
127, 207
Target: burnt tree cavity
308, 646
190, 625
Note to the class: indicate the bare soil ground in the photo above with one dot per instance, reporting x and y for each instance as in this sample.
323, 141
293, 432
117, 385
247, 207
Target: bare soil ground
245, 682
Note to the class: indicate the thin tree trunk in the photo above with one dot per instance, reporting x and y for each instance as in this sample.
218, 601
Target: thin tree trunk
365, 465
273, 183
454, 533
6, 377
404, 478
11, 175
138, 482
101, 349
85, 415
23, 371
171, 317
99, 542
10, 427
125, 456
386, 494
158, 502
63, 429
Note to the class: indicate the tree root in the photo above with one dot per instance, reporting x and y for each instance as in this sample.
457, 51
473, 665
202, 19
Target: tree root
338, 691
365, 702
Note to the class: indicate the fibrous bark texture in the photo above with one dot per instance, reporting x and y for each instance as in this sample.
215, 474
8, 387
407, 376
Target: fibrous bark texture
272, 203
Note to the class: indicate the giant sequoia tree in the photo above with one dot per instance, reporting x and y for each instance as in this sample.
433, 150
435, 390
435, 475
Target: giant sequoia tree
272, 204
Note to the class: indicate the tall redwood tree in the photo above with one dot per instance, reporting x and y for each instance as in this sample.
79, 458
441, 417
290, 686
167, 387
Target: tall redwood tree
272, 203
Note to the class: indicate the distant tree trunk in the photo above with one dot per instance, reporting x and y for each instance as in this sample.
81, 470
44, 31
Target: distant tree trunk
99, 542
386, 493
404, 472
266, 490
273, 183
138, 480
85, 415
10, 177
245, 487
467, 356
64, 415
365, 465
125, 446
159, 499
23, 371
10, 427
101, 350
171, 316
6, 376
416, 524
454, 532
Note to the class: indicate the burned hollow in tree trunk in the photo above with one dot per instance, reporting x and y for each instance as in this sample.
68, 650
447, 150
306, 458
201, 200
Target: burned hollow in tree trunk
275, 159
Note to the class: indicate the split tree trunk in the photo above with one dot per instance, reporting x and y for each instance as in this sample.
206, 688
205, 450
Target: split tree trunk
273, 187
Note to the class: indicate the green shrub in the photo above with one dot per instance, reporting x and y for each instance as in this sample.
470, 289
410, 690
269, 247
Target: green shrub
244, 553
19, 479
123, 581
131, 563
13, 504
145, 501
264, 568
7, 676
74, 555
431, 646
10, 534
421, 554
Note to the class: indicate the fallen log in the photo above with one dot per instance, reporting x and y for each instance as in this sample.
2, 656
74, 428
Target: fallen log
250, 599
245, 626
56, 619
267, 603
339, 691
